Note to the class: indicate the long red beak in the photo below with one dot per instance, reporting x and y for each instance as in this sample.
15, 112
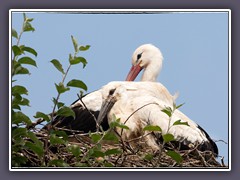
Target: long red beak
134, 71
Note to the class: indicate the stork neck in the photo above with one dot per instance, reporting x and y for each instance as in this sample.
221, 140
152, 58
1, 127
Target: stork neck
151, 73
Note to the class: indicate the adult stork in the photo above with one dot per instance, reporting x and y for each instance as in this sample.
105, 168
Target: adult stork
138, 107
147, 57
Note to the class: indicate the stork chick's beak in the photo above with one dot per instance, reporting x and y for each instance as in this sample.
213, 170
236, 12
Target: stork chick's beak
106, 107
134, 71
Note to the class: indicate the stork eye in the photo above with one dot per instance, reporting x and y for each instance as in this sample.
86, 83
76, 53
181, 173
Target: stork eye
139, 56
111, 91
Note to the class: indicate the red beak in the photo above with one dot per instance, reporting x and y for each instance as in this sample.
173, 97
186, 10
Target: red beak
134, 71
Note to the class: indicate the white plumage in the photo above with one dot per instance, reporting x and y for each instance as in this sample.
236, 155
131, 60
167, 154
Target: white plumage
137, 107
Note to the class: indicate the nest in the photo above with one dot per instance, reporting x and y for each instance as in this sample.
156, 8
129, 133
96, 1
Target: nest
110, 154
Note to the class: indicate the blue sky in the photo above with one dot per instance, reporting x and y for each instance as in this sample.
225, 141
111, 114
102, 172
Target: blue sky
194, 46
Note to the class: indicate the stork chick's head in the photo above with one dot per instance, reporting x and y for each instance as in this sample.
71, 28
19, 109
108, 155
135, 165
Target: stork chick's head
149, 58
110, 95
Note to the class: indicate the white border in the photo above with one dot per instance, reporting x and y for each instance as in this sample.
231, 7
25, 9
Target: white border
123, 11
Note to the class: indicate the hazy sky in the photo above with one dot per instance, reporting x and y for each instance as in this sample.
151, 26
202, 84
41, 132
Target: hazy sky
194, 46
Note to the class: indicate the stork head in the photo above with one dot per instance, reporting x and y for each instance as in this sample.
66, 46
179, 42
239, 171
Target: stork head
149, 58
110, 95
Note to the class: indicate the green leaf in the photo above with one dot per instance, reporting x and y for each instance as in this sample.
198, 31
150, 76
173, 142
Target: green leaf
97, 153
56, 140
180, 105
175, 156
77, 60
19, 117
148, 157
168, 137
62, 134
152, 128
24, 102
27, 60
42, 115
168, 111
66, 111
19, 133
18, 161
77, 83
18, 69
84, 48
118, 124
61, 88
19, 90
28, 27
16, 106
112, 151
14, 33
75, 150
58, 163
57, 65
75, 44
35, 148
178, 122
96, 137
29, 19
28, 49
110, 136
16, 50
34, 138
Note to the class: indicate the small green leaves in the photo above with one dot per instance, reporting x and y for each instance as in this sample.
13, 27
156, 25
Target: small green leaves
14, 33
19, 117
175, 156
19, 133
61, 88
42, 115
28, 49
77, 83
148, 157
57, 65
66, 111
152, 128
75, 44
110, 136
168, 111
18, 69
54, 139
96, 137
16, 50
178, 122
19, 90
75, 150
118, 124
77, 60
84, 48
27, 60
35, 148
168, 137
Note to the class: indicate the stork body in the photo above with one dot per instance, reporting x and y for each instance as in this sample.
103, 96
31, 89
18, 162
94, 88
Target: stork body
87, 109
147, 57
138, 108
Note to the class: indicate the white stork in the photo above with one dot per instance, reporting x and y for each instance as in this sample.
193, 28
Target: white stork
137, 107
147, 57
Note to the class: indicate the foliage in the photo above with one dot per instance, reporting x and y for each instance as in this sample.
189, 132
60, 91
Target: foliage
34, 147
